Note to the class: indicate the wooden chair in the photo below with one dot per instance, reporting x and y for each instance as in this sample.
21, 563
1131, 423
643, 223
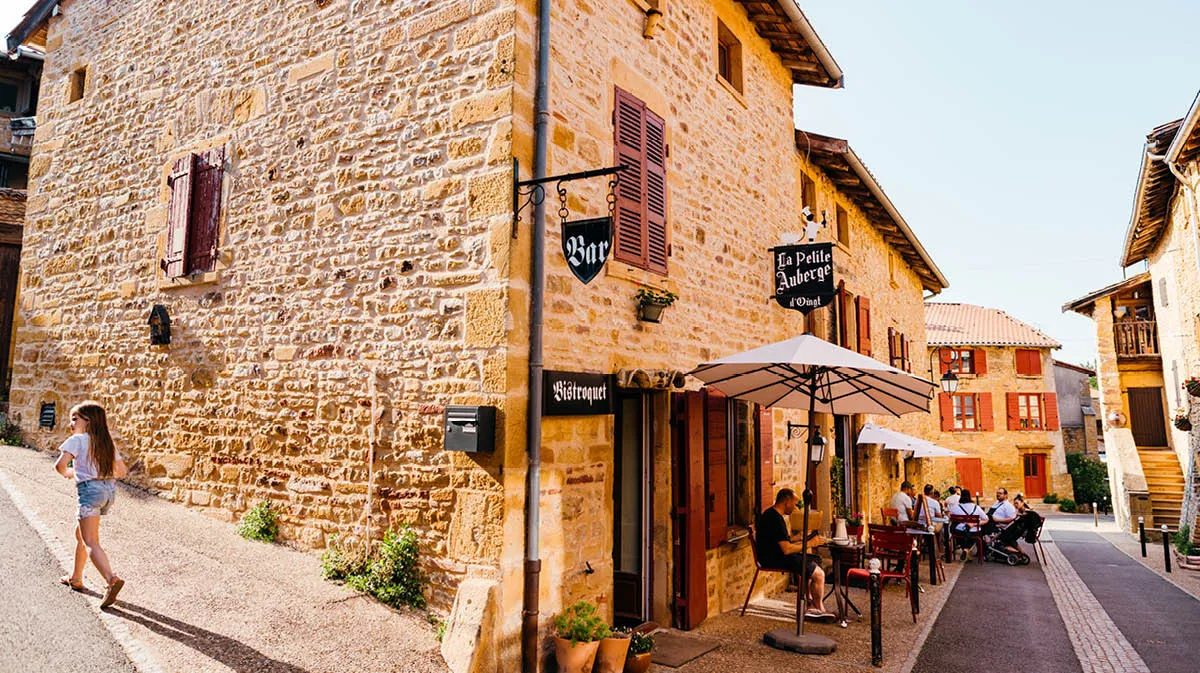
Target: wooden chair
977, 539
758, 567
1037, 543
888, 545
890, 514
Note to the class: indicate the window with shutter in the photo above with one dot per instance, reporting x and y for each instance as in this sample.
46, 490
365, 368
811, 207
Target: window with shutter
716, 451
207, 176
984, 403
642, 232
766, 458
179, 210
904, 353
1029, 362
864, 325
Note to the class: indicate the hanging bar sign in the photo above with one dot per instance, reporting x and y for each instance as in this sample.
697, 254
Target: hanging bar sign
585, 244
804, 276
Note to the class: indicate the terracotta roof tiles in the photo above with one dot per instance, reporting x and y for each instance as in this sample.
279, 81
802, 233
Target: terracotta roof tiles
969, 325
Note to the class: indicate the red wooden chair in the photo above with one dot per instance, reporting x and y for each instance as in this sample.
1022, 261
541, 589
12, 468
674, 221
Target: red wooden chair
1037, 543
971, 520
758, 567
889, 514
887, 546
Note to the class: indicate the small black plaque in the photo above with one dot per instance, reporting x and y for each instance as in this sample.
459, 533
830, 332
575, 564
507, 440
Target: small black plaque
577, 394
47, 415
804, 276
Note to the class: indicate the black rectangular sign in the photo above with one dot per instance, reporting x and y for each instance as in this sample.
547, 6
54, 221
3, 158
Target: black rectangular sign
804, 276
577, 394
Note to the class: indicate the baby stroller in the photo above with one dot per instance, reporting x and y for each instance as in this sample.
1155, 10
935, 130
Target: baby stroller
1004, 547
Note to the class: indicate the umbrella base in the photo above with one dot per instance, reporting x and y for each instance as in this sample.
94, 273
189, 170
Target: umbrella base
805, 643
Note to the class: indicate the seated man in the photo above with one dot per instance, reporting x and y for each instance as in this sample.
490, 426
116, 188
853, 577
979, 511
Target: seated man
777, 549
965, 507
1001, 513
902, 502
953, 498
928, 507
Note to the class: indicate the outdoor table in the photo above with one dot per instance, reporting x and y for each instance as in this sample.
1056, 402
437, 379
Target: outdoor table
843, 553
929, 538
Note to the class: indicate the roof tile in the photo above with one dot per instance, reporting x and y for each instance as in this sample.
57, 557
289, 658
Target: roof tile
970, 325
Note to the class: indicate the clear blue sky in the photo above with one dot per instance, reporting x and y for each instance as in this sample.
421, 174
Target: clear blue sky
1009, 135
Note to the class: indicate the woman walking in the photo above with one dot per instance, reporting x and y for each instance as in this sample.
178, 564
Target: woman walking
89, 457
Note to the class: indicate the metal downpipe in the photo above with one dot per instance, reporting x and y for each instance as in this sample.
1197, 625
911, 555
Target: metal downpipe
533, 411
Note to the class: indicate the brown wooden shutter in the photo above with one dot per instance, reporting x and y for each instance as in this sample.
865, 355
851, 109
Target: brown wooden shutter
178, 215
207, 176
843, 328
904, 353
716, 450
983, 412
980, 357
892, 346
864, 325
692, 597
1050, 410
946, 407
657, 231
1013, 403
766, 457
629, 142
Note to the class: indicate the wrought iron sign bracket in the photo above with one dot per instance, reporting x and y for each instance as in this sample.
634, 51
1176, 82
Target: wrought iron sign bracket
526, 192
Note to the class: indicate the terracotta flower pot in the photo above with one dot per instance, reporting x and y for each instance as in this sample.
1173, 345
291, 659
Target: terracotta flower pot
651, 312
574, 658
610, 658
638, 663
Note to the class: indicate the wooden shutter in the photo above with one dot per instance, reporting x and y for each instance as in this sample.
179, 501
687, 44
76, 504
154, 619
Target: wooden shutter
983, 411
766, 457
1013, 404
178, 215
904, 353
892, 354
970, 474
1050, 410
843, 328
1029, 362
692, 597
716, 451
657, 238
980, 357
629, 143
946, 407
864, 325
208, 172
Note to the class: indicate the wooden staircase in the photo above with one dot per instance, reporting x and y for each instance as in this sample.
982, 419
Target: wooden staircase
1165, 480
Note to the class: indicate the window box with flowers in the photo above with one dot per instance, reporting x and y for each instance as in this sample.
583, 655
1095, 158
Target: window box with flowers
1182, 421
652, 303
1192, 386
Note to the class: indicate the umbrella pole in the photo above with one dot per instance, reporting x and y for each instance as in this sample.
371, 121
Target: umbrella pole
803, 588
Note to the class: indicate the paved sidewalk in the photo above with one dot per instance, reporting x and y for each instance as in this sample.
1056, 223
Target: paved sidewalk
199, 598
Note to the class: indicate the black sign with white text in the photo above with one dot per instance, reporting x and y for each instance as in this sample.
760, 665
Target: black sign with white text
804, 276
585, 244
576, 394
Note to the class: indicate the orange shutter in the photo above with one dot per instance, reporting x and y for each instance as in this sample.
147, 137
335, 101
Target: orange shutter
904, 354
983, 409
766, 458
716, 448
1013, 405
864, 325
1035, 363
630, 145
1050, 410
980, 362
946, 408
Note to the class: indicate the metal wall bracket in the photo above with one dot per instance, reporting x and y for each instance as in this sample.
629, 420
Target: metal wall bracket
526, 192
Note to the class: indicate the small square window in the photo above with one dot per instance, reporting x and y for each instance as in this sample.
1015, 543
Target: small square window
843, 227
729, 57
8, 97
78, 85
808, 194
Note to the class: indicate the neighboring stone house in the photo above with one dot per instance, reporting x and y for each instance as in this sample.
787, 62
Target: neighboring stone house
1076, 413
1004, 413
323, 208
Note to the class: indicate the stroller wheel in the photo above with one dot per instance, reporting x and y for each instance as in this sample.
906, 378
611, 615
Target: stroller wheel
1025, 559
1011, 559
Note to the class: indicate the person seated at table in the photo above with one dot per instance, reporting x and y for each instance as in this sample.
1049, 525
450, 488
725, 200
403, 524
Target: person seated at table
928, 508
953, 498
777, 549
966, 507
902, 502
1001, 513
1024, 525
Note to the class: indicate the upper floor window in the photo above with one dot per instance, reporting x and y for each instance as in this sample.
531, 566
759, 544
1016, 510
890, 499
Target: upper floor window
963, 361
965, 417
641, 222
898, 350
1032, 411
843, 228
1029, 362
1029, 411
8, 97
194, 213
77, 85
729, 57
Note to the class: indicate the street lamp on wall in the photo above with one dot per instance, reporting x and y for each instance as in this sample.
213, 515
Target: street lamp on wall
949, 381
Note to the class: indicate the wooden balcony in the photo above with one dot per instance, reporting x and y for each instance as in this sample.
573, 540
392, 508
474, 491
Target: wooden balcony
17, 138
1136, 339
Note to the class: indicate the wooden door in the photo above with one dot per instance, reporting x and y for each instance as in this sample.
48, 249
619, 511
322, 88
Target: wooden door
10, 262
1146, 419
630, 586
688, 572
1035, 474
970, 474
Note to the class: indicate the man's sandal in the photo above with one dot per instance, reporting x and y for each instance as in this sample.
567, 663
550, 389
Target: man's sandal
110, 594
65, 580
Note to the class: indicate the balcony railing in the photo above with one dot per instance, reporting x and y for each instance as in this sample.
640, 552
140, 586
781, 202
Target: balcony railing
20, 133
1136, 338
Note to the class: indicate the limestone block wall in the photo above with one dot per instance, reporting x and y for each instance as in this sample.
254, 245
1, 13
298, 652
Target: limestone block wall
362, 273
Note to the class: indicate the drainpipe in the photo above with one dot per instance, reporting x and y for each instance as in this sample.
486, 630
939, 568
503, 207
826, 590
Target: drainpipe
533, 411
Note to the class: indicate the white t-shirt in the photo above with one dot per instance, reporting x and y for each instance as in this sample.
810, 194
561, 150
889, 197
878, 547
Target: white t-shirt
78, 446
901, 503
1004, 510
934, 507
967, 509
952, 500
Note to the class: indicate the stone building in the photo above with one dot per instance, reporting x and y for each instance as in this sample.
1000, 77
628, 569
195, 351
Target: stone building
1076, 413
1004, 413
324, 209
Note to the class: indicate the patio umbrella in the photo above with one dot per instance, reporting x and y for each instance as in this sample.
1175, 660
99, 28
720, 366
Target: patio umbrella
898, 441
809, 373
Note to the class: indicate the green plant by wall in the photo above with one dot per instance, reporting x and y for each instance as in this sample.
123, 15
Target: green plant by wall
259, 523
1066, 505
640, 643
1183, 542
10, 433
837, 480
394, 575
342, 560
1090, 478
1050, 498
580, 623
439, 626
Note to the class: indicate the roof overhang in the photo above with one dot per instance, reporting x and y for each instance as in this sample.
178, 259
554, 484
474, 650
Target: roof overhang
848, 173
1152, 198
1076, 368
1083, 305
32, 28
792, 37
1186, 145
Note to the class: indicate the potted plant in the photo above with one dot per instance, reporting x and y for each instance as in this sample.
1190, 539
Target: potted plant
1183, 422
1192, 385
854, 525
652, 302
640, 647
610, 657
579, 630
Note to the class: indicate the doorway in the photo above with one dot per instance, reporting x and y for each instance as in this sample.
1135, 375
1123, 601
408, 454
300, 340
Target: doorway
1146, 418
631, 525
843, 443
1035, 474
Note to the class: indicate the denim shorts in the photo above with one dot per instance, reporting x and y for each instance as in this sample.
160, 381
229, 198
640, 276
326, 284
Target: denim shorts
96, 496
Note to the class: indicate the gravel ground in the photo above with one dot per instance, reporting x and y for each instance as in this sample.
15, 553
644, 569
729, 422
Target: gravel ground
202, 599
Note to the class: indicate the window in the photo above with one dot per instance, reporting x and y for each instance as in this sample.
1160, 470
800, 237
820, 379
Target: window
864, 325
8, 97
641, 226
742, 466
965, 417
966, 411
729, 57
808, 194
963, 361
194, 213
77, 85
843, 228
898, 350
1029, 411
1029, 362
892, 267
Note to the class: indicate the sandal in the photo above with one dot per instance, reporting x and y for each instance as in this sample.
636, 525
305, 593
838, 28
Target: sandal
65, 580
110, 594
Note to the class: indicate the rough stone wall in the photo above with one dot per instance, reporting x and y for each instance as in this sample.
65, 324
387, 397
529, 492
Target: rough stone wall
362, 272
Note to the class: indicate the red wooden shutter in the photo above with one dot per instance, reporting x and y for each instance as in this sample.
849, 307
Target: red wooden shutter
980, 357
892, 346
946, 408
983, 411
208, 171
864, 325
716, 449
766, 458
944, 361
1013, 402
1050, 410
178, 215
904, 353
629, 142
694, 594
1035, 362
657, 238
1021, 361
843, 328
970, 474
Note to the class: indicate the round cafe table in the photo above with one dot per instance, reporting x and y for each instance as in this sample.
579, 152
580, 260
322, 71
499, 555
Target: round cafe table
844, 557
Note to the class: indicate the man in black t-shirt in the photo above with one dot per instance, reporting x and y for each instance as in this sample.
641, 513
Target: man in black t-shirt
776, 549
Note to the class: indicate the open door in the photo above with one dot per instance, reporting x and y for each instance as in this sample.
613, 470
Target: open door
689, 578
631, 550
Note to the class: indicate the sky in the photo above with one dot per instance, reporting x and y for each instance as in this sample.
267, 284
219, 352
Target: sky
1009, 135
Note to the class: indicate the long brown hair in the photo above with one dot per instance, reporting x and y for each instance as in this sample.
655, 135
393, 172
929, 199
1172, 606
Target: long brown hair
100, 443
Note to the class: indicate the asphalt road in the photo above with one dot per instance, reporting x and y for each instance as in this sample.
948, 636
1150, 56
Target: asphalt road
43, 625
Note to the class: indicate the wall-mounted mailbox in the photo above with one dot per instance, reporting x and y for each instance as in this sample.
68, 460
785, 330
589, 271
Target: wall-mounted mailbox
470, 429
